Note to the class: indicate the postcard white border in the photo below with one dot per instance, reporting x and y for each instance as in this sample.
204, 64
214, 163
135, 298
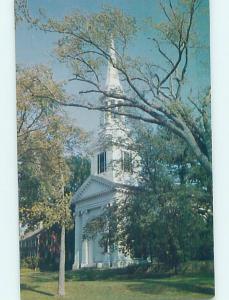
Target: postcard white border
9, 265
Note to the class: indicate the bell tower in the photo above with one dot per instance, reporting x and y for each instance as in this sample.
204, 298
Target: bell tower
112, 156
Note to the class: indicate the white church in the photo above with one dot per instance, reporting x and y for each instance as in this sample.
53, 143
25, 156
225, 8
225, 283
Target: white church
115, 169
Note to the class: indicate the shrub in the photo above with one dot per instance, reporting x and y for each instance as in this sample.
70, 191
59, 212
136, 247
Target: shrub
31, 262
197, 267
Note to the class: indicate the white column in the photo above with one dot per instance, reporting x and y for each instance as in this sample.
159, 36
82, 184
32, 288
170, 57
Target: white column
78, 242
84, 242
91, 252
86, 252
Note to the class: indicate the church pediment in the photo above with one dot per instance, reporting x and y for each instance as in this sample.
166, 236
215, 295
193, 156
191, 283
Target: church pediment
93, 186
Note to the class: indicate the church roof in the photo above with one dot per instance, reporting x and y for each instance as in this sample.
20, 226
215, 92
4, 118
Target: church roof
98, 185
95, 186
31, 234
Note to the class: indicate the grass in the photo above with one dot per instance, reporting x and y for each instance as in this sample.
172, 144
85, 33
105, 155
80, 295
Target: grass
115, 285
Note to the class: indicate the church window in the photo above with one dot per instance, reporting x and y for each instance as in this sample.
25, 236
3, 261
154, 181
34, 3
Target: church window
102, 162
127, 164
116, 112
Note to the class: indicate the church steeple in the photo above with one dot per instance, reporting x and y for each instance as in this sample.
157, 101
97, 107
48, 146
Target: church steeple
110, 120
112, 155
112, 80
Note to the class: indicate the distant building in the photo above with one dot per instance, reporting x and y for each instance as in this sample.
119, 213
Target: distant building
30, 243
45, 245
114, 170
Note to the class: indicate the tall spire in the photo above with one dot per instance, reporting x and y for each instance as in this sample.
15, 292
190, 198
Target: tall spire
112, 81
109, 121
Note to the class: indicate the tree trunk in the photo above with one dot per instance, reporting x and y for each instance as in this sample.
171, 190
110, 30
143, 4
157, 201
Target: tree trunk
188, 137
61, 288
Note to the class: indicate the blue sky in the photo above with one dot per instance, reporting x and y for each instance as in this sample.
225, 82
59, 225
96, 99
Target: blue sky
35, 47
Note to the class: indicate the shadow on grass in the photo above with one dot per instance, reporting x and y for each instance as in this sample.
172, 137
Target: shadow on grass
26, 287
190, 287
182, 285
44, 277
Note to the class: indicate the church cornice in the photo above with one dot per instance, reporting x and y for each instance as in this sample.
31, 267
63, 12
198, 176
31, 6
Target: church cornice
95, 195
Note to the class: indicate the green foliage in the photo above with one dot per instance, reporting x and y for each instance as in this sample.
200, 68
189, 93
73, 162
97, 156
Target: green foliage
174, 210
30, 262
50, 213
197, 267
44, 138
79, 171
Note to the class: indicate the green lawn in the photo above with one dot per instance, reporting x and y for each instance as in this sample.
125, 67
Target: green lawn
106, 285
